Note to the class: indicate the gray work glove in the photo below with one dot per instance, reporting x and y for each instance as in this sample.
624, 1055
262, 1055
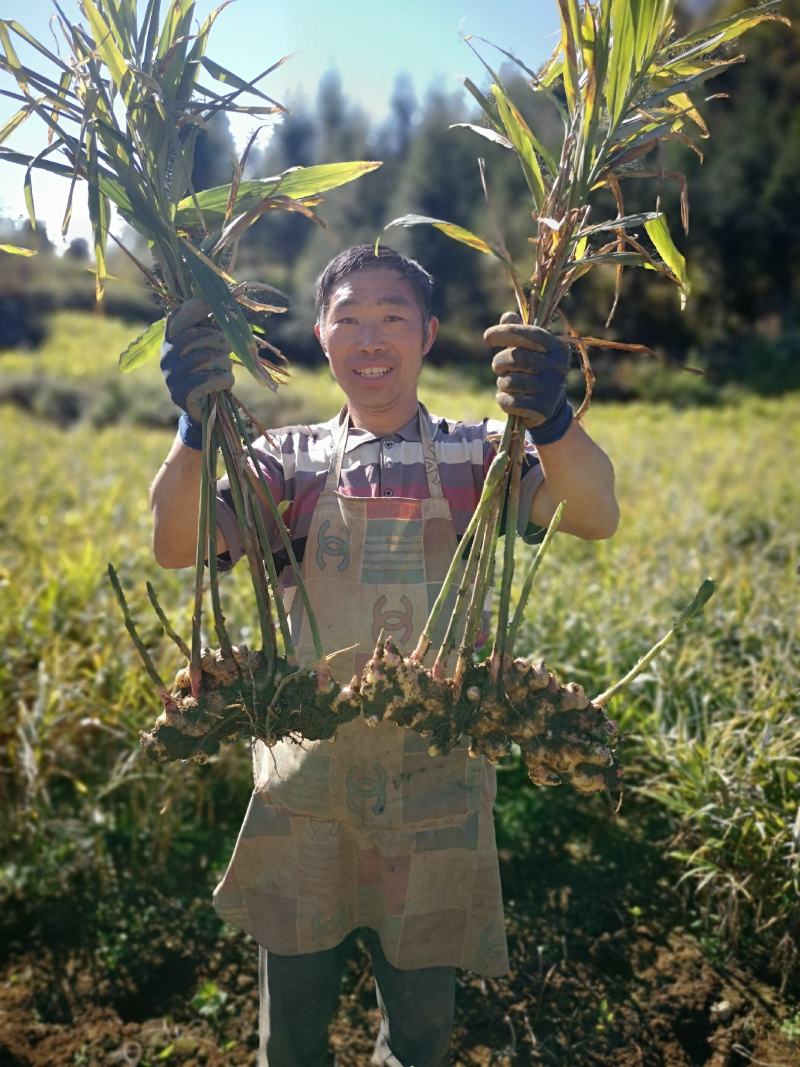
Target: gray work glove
195, 363
531, 371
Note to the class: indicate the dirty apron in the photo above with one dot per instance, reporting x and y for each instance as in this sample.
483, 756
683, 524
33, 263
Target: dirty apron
368, 829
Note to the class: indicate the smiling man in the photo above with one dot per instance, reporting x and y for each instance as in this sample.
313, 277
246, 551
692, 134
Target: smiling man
375, 331
368, 833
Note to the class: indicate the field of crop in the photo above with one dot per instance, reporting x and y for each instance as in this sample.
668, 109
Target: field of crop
668, 934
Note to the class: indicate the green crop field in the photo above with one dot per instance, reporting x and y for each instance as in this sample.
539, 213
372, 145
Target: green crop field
99, 847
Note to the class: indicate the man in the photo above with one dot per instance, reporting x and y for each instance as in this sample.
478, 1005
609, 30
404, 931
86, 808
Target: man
369, 832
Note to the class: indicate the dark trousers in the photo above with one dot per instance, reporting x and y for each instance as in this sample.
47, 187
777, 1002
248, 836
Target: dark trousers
299, 995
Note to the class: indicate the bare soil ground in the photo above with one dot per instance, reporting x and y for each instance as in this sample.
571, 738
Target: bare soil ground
604, 972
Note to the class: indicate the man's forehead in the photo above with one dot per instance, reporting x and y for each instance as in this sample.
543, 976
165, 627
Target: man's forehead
373, 286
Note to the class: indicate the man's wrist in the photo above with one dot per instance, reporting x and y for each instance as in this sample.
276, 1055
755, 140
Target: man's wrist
190, 432
554, 428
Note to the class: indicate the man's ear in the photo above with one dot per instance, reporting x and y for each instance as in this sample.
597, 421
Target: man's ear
430, 334
320, 338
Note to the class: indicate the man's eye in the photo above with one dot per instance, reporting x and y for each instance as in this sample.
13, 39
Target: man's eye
394, 318
344, 322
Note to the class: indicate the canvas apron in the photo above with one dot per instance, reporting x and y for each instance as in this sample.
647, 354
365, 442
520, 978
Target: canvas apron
368, 829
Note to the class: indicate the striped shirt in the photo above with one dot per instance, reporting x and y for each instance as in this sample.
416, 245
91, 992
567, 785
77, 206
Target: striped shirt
295, 462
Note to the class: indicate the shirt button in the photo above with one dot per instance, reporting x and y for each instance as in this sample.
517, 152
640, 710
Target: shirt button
388, 443
388, 463
388, 492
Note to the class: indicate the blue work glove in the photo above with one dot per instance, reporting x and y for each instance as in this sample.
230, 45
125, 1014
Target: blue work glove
195, 363
531, 371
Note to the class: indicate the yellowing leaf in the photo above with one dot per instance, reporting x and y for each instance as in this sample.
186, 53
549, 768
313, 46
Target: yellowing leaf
524, 142
684, 102
27, 192
15, 121
728, 29
589, 45
15, 250
98, 212
457, 233
620, 60
12, 57
552, 69
107, 47
64, 84
568, 16
658, 232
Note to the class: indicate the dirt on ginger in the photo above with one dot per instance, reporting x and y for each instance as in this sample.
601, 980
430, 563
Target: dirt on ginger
563, 738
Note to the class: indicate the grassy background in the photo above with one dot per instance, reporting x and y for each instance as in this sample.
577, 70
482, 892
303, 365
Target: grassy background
713, 757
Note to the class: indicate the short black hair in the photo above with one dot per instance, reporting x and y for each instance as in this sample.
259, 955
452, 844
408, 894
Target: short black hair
362, 257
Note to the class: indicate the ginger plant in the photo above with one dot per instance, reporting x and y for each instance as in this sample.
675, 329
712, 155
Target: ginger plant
620, 79
123, 106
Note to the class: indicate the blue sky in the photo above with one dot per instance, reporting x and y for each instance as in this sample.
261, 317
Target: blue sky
369, 42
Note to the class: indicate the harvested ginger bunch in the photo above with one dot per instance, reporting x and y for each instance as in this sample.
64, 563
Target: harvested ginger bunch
562, 736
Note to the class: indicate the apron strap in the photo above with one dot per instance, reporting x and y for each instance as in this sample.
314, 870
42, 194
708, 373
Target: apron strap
337, 456
428, 454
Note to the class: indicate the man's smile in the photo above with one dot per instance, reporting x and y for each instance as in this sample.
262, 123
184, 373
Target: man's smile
372, 372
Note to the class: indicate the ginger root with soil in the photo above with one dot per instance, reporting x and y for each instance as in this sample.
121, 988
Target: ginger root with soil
563, 737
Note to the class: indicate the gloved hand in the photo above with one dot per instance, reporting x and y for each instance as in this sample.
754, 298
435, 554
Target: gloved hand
195, 363
531, 374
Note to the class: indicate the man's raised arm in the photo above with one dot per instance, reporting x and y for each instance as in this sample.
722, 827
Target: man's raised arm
578, 471
174, 502
195, 363
531, 371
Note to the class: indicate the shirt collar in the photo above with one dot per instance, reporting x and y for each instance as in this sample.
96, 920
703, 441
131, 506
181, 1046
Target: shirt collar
407, 432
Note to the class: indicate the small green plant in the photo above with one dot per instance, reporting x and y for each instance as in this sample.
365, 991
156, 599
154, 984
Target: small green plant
790, 1027
209, 1001
80, 1058
605, 1016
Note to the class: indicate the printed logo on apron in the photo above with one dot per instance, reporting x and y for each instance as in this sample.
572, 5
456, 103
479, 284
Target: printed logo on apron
328, 928
396, 622
334, 546
366, 789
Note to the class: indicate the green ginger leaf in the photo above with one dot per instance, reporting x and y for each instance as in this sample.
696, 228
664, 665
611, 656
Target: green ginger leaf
144, 348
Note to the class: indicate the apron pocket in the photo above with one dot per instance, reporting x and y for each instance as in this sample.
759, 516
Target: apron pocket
378, 778
383, 778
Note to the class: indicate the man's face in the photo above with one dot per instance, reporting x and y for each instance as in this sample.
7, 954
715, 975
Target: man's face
375, 339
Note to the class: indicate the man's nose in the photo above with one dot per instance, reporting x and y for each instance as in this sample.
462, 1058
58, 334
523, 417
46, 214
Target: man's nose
370, 337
